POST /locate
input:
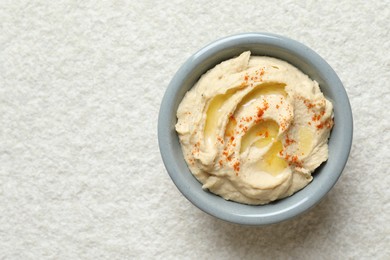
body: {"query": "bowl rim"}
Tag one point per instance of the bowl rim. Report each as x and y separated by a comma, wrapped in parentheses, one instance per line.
(253, 215)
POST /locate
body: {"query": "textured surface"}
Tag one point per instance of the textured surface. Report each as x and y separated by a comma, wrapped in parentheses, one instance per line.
(80, 172)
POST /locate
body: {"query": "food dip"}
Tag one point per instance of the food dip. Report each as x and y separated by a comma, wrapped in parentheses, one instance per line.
(254, 128)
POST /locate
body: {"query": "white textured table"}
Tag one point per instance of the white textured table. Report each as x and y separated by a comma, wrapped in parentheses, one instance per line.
(80, 171)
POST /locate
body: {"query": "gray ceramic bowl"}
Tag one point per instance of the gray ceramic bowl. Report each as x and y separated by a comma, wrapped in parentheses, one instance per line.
(259, 44)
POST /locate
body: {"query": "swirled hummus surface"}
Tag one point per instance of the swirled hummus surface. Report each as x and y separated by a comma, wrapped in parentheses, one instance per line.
(254, 128)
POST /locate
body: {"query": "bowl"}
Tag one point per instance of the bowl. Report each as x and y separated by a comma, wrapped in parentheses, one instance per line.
(310, 63)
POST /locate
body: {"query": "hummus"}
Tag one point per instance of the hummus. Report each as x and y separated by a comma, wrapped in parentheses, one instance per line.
(254, 128)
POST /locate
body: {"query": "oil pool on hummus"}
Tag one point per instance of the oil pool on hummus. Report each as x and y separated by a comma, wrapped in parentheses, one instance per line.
(254, 128)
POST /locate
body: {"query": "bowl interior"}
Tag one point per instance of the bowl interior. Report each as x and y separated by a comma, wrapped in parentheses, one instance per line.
(268, 45)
